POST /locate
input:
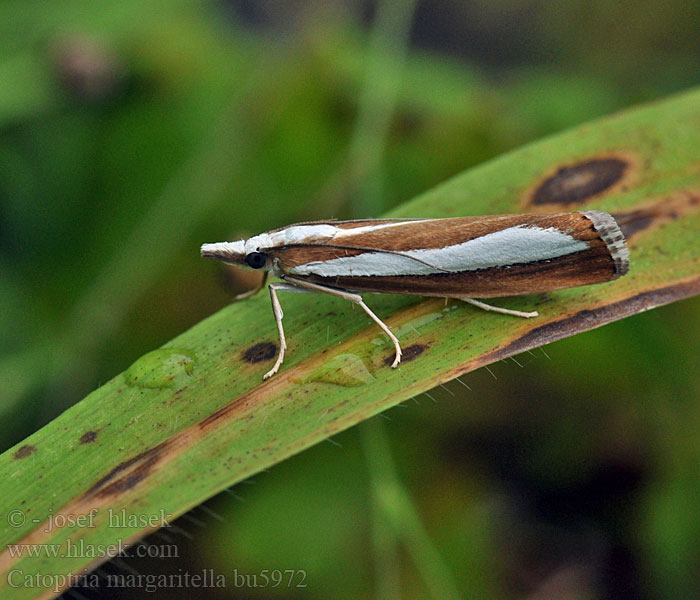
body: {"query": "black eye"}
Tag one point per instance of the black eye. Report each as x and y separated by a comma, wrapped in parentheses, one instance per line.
(256, 260)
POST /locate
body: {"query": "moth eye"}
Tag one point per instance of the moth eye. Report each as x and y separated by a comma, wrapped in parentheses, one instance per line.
(256, 260)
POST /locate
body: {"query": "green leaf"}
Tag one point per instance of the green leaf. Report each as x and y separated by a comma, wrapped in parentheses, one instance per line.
(190, 419)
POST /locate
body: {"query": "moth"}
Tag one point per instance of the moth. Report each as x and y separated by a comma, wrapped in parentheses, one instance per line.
(462, 257)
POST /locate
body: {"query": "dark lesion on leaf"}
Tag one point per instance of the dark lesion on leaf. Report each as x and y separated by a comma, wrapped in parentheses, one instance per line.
(24, 451)
(260, 352)
(407, 354)
(88, 437)
(128, 473)
(658, 211)
(581, 181)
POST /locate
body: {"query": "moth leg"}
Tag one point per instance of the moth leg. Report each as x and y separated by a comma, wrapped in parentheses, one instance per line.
(255, 290)
(498, 309)
(357, 299)
(279, 315)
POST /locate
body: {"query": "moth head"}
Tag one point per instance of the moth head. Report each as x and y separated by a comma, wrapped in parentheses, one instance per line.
(234, 253)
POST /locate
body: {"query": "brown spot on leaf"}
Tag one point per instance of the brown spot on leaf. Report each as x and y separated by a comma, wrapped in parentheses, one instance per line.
(260, 352)
(128, 473)
(24, 451)
(88, 437)
(634, 221)
(407, 354)
(580, 182)
(657, 212)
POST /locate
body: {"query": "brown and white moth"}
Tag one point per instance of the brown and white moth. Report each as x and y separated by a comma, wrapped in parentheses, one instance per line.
(463, 257)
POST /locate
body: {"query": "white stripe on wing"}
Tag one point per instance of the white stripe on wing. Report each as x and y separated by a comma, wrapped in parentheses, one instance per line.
(515, 245)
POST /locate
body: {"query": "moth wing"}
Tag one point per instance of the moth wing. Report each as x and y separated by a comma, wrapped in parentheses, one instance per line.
(468, 256)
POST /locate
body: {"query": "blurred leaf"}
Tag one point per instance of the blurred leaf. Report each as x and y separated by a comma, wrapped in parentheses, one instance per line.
(27, 88)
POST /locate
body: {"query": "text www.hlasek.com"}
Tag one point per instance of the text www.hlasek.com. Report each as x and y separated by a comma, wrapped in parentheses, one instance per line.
(81, 549)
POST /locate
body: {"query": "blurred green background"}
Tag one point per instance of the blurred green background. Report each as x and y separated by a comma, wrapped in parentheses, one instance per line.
(133, 131)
